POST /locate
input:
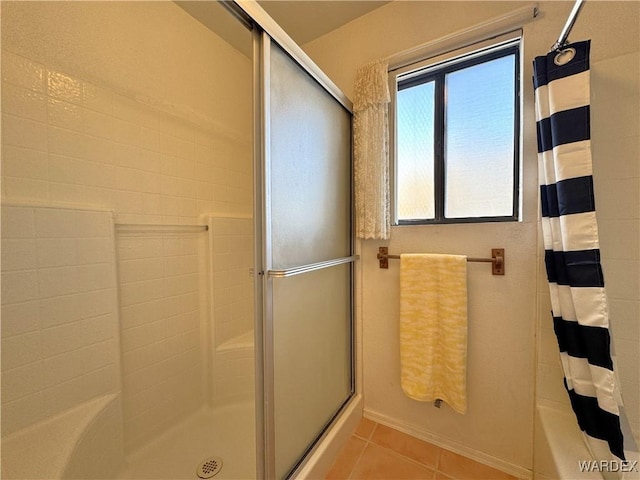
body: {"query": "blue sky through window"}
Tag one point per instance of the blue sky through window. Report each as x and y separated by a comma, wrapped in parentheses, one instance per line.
(415, 151)
(479, 142)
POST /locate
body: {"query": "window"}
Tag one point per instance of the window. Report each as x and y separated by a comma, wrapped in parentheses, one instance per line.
(457, 135)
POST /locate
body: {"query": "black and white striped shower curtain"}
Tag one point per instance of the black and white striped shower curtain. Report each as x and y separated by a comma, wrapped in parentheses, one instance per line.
(572, 255)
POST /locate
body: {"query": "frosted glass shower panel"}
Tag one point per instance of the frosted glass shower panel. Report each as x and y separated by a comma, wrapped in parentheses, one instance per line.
(312, 367)
(310, 168)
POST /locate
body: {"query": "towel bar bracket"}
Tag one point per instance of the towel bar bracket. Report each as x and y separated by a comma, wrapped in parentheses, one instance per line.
(496, 260)
(383, 257)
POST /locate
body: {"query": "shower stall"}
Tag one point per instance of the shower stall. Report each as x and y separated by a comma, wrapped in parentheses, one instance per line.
(177, 250)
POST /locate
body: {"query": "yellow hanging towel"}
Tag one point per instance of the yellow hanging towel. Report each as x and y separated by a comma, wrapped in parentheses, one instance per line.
(433, 328)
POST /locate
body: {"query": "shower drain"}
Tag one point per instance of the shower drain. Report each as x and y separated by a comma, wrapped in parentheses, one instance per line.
(209, 467)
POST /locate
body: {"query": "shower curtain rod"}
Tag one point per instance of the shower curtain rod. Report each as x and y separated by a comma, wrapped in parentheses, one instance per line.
(562, 39)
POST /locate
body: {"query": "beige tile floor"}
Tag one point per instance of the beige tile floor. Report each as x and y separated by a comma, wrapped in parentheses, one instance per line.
(375, 451)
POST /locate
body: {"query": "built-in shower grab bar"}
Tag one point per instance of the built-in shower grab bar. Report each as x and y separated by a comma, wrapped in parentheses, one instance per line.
(159, 228)
(289, 272)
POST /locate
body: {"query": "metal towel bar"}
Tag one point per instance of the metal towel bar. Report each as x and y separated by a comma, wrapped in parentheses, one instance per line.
(496, 260)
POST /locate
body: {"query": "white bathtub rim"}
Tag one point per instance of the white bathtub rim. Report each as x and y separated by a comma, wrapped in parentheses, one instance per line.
(564, 443)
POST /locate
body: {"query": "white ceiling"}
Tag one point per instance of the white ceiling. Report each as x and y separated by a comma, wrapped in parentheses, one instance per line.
(306, 20)
(303, 20)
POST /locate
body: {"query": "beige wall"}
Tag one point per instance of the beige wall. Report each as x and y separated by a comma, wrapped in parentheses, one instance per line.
(137, 108)
(503, 311)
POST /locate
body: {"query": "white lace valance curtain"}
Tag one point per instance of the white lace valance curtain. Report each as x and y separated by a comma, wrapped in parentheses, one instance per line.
(371, 151)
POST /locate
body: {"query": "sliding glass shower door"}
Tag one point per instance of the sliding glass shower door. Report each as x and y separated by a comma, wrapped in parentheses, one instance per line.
(307, 257)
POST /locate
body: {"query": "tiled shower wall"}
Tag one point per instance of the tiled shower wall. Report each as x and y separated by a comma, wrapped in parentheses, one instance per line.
(231, 252)
(161, 330)
(66, 140)
(231, 259)
(60, 332)
(136, 108)
(616, 151)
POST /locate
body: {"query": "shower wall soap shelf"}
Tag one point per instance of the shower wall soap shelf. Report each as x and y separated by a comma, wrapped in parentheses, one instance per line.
(496, 260)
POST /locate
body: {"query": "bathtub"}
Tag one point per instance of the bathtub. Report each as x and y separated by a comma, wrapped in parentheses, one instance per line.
(85, 442)
(559, 446)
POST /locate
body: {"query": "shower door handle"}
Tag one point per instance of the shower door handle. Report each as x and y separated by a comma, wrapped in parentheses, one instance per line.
(311, 267)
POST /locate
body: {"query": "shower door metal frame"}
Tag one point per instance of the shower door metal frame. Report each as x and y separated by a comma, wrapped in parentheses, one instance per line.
(259, 134)
(269, 31)
(252, 10)
(268, 274)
